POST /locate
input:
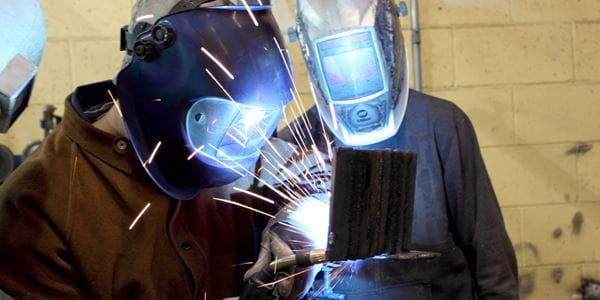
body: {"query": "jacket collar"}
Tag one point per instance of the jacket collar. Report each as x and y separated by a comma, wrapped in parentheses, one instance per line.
(115, 151)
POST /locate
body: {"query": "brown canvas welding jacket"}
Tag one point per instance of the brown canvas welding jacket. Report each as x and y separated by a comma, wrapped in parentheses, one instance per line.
(65, 218)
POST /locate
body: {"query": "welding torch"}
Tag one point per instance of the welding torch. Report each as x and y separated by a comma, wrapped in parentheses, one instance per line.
(260, 285)
(383, 182)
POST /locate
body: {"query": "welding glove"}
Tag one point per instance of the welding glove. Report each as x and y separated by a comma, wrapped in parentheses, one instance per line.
(295, 228)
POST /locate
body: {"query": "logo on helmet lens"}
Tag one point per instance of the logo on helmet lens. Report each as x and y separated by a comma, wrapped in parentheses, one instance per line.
(363, 116)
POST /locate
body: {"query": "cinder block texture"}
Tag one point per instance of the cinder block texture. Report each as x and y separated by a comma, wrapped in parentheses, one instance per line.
(516, 54)
(445, 12)
(551, 282)
(512, 221)
(557, 113)
(587, 51)
(555, 10)
(578, 242)
(532, 175)
(437, 57)
(588, 171)
(591, 271)
(490, 110)
(53, 82)
(95, 61)
(86, 18)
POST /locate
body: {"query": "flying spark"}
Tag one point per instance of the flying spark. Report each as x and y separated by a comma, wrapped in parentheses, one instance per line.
(321, 164)
(289, 71)
(236, 140)
(327, 139)
(115, 103)
(153, 154)
(285, 170)
(284, 186)
(216, 61)
(250, 13)
(255, 195)
(307, 124)
(272, 188)
(284, 279)
(254, 175)
(243, 264)
(195, 152)
(299, 130)
(287, 123)
(240, 133)
(219, 84)
(139, 216)
(220, 162)
(244, 206)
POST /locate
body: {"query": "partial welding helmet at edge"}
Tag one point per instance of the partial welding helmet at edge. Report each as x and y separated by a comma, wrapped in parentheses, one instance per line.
(23, 36)
(205, 89)
(358, 65)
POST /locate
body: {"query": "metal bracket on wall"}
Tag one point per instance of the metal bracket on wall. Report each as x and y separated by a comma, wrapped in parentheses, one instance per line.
(402, 9)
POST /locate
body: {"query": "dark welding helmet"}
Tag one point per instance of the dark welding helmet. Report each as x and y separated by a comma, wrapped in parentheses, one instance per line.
(204, 90)
(358, 66)
(23, 36)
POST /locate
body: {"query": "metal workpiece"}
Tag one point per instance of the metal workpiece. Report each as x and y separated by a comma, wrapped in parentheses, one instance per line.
(372, 203)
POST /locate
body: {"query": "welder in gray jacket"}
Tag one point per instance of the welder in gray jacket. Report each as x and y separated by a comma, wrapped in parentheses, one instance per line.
(358, 66)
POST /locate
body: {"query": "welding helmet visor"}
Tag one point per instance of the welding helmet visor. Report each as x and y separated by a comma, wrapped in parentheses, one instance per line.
(23, 36)
(205, 89)
(357, 61)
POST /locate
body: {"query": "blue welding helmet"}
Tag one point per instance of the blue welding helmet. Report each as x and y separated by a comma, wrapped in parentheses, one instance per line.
(357, 61)
(23, 36)
(205, 89)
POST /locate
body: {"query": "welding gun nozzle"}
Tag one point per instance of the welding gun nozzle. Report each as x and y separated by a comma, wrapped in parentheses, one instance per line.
(311, 258)
(302, 260)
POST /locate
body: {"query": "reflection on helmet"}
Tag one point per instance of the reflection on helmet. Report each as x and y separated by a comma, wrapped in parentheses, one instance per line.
(204, 91)
(227, 130)
(358, 66)
(23, 36)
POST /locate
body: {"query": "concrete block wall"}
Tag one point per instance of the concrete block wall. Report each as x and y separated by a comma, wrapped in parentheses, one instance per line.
(527, 72)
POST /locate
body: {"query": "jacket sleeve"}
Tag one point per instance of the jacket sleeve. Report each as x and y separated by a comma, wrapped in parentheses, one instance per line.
(476, 219)
(34, 257)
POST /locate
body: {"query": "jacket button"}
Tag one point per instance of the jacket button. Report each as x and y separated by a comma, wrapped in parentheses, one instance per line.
(186, 246)
(121, 145)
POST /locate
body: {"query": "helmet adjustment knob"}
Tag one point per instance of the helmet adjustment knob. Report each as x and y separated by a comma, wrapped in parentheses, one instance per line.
(145, 51)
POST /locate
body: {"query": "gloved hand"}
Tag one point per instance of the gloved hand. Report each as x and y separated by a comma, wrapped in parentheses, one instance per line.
(294, 229)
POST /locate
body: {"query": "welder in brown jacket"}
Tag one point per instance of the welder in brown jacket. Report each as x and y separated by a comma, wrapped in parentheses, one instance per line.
(119, 202)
